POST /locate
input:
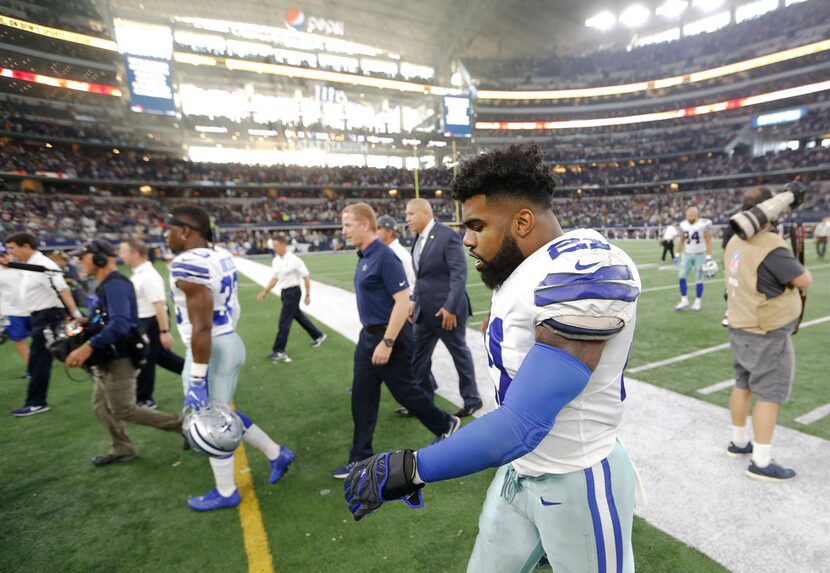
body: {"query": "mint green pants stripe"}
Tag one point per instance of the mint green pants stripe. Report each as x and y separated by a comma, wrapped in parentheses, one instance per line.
(227, 356)
(582, 520)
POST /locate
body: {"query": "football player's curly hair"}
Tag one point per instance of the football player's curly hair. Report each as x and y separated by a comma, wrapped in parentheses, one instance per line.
(517, 171)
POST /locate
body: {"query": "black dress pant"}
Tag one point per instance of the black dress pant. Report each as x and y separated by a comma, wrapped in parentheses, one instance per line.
(40, 359)
(428, 332)
(398, 376)
(156, 355)
(291, 311)
(668, 247)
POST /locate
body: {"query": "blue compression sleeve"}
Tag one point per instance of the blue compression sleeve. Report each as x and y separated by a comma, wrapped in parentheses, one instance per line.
(547, 380)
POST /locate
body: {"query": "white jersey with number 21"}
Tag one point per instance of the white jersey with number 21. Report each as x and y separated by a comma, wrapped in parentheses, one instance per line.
(215, 269)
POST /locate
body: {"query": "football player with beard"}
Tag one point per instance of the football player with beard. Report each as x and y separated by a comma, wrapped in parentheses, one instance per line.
(561, 324)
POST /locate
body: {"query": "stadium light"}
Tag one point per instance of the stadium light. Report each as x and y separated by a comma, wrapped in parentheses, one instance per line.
(634, 16)
(605, 20)
(707, 5)
(672, 9)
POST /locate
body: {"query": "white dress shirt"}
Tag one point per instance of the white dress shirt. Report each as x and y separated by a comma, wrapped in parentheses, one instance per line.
(149, 289)
(422, 242)
(11, 295)
(670, 233)
(289, 270)
(37, 287)
(406, 258)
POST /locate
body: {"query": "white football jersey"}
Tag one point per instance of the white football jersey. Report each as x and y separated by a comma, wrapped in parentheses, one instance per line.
(694, 233)
(585, 285)
(215, 269)
(11, 293)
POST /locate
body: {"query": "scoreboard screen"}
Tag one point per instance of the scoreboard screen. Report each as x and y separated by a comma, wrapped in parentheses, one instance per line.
(151, 84)
(458, 116)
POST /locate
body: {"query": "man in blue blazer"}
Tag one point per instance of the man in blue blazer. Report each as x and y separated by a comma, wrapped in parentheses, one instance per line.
(440, 304)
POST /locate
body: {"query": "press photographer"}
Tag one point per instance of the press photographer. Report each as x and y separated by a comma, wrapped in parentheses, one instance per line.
(764, 306)
(117, 351)
(46, 297)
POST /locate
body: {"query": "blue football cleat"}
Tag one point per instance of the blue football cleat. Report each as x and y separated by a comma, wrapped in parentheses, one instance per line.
(280, 465)
(214, 500)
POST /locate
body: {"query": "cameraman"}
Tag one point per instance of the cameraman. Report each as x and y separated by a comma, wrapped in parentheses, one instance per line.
(763, 309)
(117, 356)
(45, 297)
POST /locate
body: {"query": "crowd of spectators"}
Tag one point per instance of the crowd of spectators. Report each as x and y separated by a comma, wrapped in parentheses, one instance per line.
(72, 163)
(733, 43)
(73, 218)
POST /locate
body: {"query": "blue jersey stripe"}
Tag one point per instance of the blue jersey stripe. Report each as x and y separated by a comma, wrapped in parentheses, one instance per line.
(596, 520)
(612, 273)
(615, 518)
(192, 268)
(606, 291)
(186, 275)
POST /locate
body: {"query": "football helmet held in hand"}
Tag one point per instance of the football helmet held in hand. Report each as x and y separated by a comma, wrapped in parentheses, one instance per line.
(710, 268)
(215, 430)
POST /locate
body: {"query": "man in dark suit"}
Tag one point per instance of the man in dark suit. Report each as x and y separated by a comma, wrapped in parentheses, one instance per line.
(440, 305)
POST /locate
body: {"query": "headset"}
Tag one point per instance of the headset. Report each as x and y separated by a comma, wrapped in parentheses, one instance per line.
(99, 256)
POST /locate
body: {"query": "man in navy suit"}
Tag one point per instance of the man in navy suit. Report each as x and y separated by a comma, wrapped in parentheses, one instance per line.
(440, 305)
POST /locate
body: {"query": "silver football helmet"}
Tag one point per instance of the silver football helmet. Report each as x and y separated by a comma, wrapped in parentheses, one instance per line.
(710, 268)
(215, 430)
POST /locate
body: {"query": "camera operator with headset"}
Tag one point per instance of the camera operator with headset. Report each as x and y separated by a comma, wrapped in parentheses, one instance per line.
(763, 279)
(117, 351)
(45, 296)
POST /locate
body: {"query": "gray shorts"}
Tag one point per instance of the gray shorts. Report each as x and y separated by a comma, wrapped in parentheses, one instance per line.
(764, 364)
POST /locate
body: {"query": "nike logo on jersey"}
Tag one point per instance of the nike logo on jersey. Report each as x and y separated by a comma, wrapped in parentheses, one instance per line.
(581, 267)
(551, 502)
(401, 283)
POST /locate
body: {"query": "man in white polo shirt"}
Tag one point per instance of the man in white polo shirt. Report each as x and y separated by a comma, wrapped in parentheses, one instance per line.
(46, 296)
(152, 312)
(18, 322)
(388, 233)
(289, 270)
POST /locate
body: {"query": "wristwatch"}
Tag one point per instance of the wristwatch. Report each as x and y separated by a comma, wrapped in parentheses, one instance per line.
(390, 342)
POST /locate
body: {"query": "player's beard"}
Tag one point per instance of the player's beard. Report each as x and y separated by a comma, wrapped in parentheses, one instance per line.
(495, 271)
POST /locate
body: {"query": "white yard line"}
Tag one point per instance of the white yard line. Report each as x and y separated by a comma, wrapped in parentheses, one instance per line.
(696, 493)
(709, 350)
(814, 415)
(717, 387)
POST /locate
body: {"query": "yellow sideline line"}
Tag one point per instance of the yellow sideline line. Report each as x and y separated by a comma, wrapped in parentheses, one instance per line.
(257, 549)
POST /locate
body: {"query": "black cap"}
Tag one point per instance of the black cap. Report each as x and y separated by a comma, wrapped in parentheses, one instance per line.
(387, 222)
(97, 246)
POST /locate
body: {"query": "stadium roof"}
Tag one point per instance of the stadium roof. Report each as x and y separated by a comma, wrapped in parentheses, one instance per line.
(430, 31)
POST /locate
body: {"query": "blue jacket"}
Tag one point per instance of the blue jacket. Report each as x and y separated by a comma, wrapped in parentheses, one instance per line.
(118, 304)
(441, 276)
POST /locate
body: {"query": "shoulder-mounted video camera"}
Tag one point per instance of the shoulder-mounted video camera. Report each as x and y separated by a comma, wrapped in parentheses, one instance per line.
(64, 338)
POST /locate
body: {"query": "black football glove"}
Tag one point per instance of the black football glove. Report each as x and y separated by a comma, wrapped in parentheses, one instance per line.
(381, 478)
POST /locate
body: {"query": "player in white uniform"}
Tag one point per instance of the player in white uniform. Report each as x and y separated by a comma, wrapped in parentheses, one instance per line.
(203, 286)
(560, 329)
(15, 321)
(694, 250)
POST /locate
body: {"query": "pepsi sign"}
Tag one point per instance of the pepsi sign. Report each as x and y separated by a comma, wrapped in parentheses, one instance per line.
(297, 20)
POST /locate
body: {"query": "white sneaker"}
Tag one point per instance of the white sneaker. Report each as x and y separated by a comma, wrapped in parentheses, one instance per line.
(696, 304)
(682, 305)
(281, 357)
(318, 342)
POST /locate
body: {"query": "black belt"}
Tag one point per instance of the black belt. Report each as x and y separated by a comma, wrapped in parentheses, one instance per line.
(375, 328)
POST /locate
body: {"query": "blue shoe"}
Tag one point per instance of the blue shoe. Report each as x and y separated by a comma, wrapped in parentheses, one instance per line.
(213, 500)
(734, 451)
(772, 472)
(29, 411)
(343, 471)
(280, 465)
